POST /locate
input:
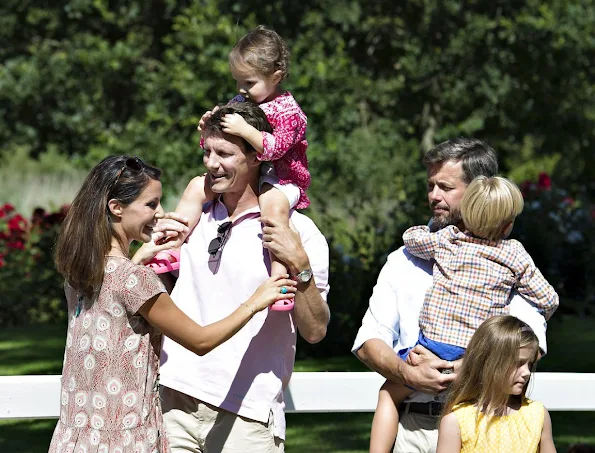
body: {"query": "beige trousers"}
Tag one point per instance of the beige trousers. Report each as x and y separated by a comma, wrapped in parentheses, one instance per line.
(418, 433)
(194, 426)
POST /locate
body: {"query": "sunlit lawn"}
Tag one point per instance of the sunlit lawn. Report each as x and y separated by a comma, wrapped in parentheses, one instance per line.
(38, 350)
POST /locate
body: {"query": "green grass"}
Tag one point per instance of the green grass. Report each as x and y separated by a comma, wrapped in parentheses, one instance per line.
(39, 349)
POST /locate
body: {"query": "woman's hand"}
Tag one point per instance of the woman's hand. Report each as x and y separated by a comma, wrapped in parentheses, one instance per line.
(271, 291)
(149, 249)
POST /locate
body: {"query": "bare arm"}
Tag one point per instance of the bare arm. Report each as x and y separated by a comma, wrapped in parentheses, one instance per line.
(312, 314)
(449, 435)
(196, 194)
(161, 312)
(547, 442)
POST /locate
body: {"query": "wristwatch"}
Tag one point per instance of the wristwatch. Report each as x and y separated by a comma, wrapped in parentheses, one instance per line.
(303, 276)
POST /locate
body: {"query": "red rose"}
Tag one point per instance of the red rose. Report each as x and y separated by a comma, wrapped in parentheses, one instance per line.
(18, 245)
(7, 208)
(17, 223)
(544, 181)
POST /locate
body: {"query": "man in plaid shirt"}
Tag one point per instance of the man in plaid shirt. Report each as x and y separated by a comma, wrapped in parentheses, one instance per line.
(392, 320)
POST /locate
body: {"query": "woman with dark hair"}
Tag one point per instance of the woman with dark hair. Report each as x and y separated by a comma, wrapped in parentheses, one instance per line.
(117, 312)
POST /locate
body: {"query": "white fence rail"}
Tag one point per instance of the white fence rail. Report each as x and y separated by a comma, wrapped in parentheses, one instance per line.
(39, 396)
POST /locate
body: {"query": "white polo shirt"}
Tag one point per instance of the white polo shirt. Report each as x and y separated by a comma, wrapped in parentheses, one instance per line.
(247, 374)
(397, 299)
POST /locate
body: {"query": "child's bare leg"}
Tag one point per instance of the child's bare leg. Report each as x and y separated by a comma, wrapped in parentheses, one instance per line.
(386, 418)
(274, 204)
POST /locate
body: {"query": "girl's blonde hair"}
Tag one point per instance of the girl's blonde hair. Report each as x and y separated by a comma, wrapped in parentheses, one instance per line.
(489, 205)
(261, 51)
(489, 362)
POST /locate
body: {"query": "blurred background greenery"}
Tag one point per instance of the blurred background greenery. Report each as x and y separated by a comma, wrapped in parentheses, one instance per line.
(381, 82)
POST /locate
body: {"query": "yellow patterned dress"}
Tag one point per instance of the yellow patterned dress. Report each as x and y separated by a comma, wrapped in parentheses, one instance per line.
(519, 432)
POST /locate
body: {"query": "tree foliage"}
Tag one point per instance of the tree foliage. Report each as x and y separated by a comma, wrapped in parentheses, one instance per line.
(381, 82)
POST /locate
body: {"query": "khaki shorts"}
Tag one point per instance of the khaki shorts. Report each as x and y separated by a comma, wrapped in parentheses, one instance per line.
(418, 433)
(194, 426)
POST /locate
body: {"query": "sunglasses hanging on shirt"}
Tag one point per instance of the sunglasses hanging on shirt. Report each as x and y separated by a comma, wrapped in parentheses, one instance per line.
(216, 245)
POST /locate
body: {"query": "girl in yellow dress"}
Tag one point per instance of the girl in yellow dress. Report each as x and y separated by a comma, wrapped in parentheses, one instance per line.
(487, 410)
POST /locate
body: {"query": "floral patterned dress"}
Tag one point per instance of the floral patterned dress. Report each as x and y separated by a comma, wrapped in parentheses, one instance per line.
(109, 397)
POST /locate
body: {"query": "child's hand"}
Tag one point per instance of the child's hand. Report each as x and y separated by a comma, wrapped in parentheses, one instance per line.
(171, 228)
(149, 249)
(205, 117)
(234, 124)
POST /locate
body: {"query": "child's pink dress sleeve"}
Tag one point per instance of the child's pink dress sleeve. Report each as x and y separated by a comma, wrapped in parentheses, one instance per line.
(289, 131)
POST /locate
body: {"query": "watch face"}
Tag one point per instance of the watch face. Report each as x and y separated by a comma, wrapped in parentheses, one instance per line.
(305, 276)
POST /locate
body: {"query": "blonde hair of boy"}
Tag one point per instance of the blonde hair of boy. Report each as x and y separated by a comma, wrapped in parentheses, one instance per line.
(490, 205)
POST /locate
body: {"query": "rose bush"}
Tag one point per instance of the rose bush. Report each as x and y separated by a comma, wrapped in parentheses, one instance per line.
(558, 231)
(31, 290)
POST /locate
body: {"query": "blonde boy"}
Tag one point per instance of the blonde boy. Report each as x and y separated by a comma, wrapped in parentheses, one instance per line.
(475, 271)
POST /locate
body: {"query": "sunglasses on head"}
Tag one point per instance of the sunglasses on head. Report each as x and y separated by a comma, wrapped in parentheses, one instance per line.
(217, 243)
(132, 164)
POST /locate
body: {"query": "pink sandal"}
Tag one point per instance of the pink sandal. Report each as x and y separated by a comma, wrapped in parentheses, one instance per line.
(282, 305)
(161, 262)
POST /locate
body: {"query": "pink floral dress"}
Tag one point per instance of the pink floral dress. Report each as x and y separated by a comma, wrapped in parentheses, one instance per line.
(109, 397)
(286, 147)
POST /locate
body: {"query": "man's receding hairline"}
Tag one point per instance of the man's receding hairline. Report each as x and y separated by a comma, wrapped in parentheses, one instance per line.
(439, 165)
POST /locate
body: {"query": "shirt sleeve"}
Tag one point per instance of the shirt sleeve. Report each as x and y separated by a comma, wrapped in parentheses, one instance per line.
(528, 313)
(141, 285)
(421, 242)
(382, 317)
(317, 250)
(532, 285)
(289, 130)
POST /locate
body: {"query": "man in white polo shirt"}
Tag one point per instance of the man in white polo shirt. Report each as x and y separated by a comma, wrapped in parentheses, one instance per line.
(391, 322)
(231, 400)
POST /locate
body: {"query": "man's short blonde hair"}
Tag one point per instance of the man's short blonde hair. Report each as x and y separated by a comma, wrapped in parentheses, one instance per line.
(489, 205)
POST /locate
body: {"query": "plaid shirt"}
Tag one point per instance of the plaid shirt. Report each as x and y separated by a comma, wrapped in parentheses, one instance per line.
(472, 281)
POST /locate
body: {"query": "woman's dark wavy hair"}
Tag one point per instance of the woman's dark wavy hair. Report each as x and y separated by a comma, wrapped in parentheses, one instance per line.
(87, 232)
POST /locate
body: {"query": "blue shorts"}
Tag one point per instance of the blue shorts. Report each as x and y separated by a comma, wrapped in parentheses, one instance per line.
(443, 350)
